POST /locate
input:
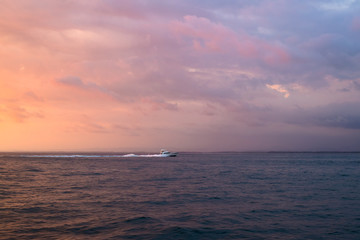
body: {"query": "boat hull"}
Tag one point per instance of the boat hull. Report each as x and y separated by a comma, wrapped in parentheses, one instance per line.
(169, 154)
(166, 153)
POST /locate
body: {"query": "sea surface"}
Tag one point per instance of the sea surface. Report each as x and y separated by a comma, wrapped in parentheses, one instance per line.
(192, 196)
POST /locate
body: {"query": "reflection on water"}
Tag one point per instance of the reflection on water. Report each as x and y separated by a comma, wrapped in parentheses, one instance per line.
(193, 196)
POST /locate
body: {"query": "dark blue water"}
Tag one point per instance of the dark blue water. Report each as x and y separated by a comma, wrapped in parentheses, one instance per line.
(192, 196)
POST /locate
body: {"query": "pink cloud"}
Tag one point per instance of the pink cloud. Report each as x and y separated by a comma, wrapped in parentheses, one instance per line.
(19, 114)
(160, 104)
(31, 96)
(196, 70)
(209, 37)
(355, 25)
(88, 127)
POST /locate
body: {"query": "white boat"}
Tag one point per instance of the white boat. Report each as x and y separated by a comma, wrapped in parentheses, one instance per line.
(165, 153)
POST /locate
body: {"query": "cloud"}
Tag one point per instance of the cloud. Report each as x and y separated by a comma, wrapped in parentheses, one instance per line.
(356, 85)
(339, 115)
(31, 96)
(344, 115)
(184, 66)
(336, 5)
(209, 37)
(159, 104)
(72, 81)
(19, 114)
(279, 88)
(88, 127)
(78, 84)
(355, 25)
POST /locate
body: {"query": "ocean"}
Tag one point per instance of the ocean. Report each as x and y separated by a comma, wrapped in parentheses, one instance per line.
(192, 196)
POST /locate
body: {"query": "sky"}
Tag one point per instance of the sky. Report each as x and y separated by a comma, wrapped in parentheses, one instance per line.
(186, 75)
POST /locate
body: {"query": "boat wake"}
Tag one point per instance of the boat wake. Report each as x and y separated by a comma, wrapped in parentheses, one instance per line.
(92, 156)
(144, 155)
(163, 153)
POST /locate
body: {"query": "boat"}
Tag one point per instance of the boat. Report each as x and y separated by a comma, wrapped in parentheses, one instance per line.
(165, 153)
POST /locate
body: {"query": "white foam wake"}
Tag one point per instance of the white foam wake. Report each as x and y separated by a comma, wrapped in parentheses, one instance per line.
(92, 156)
(146, 155)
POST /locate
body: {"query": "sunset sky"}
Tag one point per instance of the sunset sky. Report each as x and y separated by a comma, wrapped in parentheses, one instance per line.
(186, 75)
